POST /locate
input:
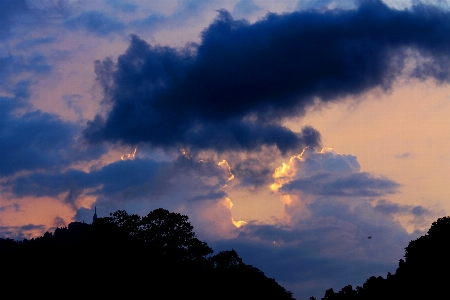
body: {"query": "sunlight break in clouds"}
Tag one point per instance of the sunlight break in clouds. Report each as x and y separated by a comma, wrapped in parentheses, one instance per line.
(318, 175)
(82, 81)
(331, 207)
(310, 161)
(129, 156)
(229, 205)
(225, 164)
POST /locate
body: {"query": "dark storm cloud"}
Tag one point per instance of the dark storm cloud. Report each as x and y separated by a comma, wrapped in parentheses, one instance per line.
(353, 185)
(242, 79)
(37, 140)
(95, 22)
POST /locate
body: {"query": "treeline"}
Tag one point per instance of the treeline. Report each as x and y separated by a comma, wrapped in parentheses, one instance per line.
(157, 256)
(423, 274)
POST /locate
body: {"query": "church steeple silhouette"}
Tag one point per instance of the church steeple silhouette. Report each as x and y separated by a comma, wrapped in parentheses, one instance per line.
(95, 215)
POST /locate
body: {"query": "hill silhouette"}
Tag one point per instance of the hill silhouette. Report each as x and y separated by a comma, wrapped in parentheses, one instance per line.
(421, 275)
(156, 256)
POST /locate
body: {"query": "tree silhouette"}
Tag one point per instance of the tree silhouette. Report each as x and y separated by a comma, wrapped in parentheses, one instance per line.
(226, 260)
(165, 235)
(128, 256)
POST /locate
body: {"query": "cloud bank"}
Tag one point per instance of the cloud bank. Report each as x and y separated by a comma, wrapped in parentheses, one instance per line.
(233, 89)
(36, 140)
(231, 93)
(331, 208)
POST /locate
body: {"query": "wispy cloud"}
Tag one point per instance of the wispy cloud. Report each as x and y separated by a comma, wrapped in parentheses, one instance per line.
(404, 155)
(96, 23)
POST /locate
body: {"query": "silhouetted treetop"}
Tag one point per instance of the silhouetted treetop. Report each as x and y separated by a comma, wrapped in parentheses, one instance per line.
(226, 260)
(166, 233)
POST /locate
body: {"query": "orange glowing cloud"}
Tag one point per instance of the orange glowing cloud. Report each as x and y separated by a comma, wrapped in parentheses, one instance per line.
(129, 156)
(227, 167)
(227, 202)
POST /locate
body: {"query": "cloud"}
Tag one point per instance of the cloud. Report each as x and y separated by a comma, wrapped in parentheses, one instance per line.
(30, 44)
(252, 172)
(232, 91)
(210, 196)
(419, 210)
(388, 207)
(311, 162)
(17, 71)
(404, 155)
(73, 102)
(317, 176)
(182, 14)
(328, 249)
(142, 180)
(95, 22)
(244, 7)
(8, 13)
(327, 173)
(37, 140)
(313, 177)
(331, 211)
(353, 185)
(21, 17)
(21, 232)
(122, 5)
(14, 207)
(325, 4)
(111, 180)
(185, 185)
(59, 222)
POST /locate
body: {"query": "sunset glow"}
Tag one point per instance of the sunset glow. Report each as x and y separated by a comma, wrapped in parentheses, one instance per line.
(288, 130)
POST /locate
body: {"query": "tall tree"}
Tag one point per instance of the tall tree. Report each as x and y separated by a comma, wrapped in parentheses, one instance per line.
(165, 234)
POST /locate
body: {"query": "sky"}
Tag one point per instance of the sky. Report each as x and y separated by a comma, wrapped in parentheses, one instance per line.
(290, 130)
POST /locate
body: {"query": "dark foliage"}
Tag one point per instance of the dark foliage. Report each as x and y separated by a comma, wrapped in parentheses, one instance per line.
(421, 275)
(157, 255)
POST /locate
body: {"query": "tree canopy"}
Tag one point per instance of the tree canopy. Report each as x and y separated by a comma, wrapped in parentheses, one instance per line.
(165, 234)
